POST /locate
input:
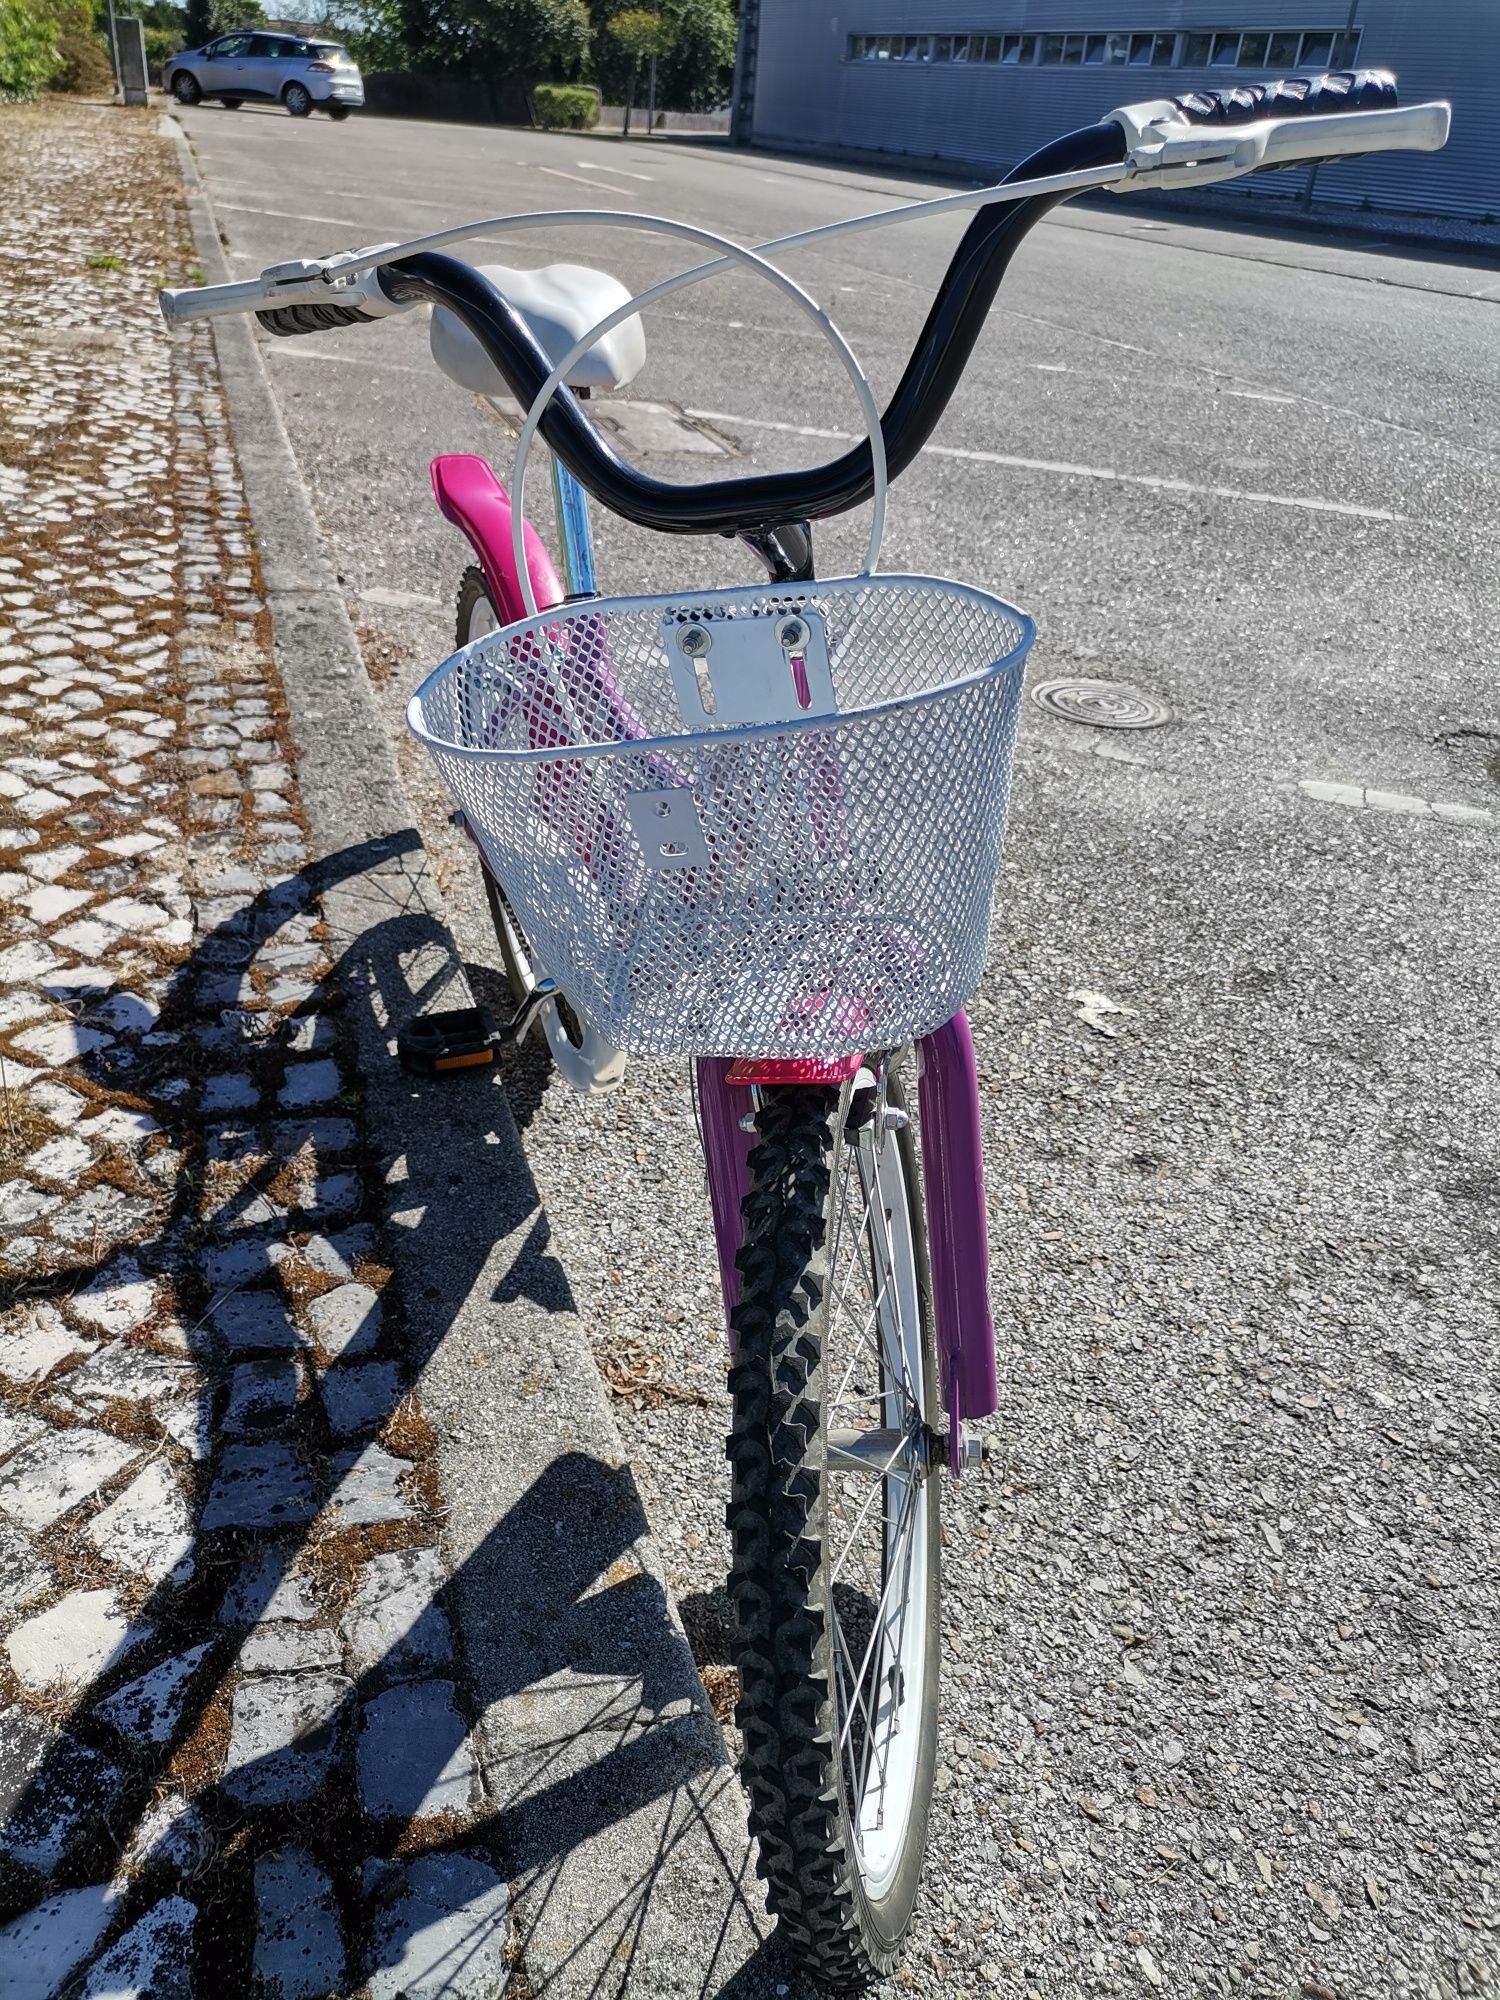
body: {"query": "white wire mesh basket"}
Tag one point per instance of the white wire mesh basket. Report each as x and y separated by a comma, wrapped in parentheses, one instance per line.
(744, 822)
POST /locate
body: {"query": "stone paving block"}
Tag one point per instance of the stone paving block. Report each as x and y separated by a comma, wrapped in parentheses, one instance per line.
(152, 1961)
(234, 1092)
(266, 1589)
(40, 1950)
(392, 1626)
(191, 1422)
(412, 1758)
(286, 1732)
(146, 1711)
(308, 1083)
(259, 1486)
(24, 1577)
(367, 1489)
(314, 1031)
(54, 1790)
(251, 1321)
(119, 1127)
(16, 1429)
(262, 1395)
(121, 1298)
(148, 1528)
(72, 1642)
(59, 1042)
(133, 1374)
(334, 1195)
(289, 1649)
(299, 1946)
(61, 1159)
(338, 1254)
(360, 1395)
(251, 1208)
(231, 1265)
(325, 1135)
(171, 1834)
(54, 1473)
(346, 1320)
(440, 1930)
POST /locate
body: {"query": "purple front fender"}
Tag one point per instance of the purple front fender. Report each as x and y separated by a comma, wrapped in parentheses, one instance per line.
(952, 1182)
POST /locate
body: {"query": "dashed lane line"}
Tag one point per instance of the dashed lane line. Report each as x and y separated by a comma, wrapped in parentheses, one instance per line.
(1062, 469)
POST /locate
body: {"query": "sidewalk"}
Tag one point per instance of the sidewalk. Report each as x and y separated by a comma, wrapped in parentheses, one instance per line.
(232, 1737)
(304, 1692)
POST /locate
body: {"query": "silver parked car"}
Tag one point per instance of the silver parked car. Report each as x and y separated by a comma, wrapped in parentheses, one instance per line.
(287, 69)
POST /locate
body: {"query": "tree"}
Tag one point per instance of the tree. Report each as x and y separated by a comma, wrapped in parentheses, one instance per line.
(203, 19)
(640, 35)
(528, 39)
(694, 74)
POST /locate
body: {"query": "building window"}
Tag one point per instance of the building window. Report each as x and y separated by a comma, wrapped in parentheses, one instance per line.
(1218, 48)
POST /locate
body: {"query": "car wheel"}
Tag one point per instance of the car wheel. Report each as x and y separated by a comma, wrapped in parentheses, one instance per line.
(298, 99)
(185, 87)
(231, 103)
(338, 110)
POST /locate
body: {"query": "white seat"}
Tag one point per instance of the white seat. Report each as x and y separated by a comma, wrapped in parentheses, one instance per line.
(560, 303)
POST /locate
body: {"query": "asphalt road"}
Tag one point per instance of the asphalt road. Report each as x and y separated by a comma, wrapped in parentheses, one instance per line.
(1221, 1689)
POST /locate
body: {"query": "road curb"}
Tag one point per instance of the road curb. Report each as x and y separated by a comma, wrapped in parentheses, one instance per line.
(617, 1814)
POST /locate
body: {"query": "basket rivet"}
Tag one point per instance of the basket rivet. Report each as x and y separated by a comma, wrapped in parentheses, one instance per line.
(694, 641)
(791, 634)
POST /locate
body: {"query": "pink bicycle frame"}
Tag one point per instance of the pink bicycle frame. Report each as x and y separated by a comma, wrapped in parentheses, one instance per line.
(470, 496)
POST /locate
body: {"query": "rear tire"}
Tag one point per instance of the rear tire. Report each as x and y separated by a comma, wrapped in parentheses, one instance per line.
(338, 112)
(186, 89)
(231, 103)
(298, 99)
(838, 1698)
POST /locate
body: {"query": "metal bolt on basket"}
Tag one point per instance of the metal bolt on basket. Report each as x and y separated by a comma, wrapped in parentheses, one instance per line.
(750, 821)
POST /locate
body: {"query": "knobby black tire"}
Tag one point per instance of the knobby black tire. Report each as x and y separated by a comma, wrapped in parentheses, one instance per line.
(780, 1569)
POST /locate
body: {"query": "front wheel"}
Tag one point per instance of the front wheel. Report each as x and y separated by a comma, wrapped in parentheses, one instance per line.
(231, 103)
(834, 1523)
(185, 88)
(298, 99)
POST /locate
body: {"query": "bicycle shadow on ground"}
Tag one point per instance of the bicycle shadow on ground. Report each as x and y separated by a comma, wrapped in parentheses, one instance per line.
(588, 1722)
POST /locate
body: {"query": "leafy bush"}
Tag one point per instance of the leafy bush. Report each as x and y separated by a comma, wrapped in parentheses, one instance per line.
(565, 107)
(161, 45)
(28, 47)
(83, 56)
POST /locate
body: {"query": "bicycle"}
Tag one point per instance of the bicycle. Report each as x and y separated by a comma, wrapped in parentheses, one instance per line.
(756, 827)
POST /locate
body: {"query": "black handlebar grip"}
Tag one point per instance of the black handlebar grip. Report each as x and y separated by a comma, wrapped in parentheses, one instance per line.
(288, 320)
(1291, 97)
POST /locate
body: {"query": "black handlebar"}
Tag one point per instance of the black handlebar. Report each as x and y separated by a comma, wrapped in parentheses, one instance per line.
(767, 501)
(761, 507)
(1291, 97)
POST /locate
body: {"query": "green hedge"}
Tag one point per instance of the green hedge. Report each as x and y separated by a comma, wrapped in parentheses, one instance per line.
(28, 47)
(571, 107)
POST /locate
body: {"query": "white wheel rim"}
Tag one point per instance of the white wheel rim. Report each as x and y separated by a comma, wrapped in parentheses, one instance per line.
(482, 619)
(879, 1652)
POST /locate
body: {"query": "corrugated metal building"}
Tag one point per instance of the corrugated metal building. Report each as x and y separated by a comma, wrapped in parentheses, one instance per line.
(983, 82)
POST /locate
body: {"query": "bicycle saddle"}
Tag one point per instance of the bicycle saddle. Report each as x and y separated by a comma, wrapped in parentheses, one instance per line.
(560, 302)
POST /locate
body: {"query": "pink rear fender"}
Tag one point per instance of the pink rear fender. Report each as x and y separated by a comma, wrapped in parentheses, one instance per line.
(471, 497)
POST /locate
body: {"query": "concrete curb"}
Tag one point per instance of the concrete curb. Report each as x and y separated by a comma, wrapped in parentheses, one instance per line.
(617, 1815)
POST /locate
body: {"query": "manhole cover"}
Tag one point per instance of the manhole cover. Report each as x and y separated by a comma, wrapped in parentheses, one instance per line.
(1102, 704)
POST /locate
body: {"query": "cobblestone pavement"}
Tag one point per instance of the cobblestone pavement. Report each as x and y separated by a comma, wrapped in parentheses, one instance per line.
(233, 1749)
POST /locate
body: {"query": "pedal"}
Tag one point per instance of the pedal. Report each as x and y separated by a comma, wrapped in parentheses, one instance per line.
(459, 1038)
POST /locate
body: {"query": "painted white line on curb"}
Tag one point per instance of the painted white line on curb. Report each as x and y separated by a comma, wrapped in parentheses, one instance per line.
(1064, 470)
(1331, 792)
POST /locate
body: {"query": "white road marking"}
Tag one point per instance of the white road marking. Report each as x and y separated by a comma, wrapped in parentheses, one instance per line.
(600, 168)
(558, 174)
(298, 350)
(285, 214)
(1329, 792)
(1258, 396)
(1063, 470)
(401, 600)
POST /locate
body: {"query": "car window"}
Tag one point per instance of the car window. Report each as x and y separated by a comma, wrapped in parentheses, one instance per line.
(232, 45)
(260, 45)
(329, 52)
